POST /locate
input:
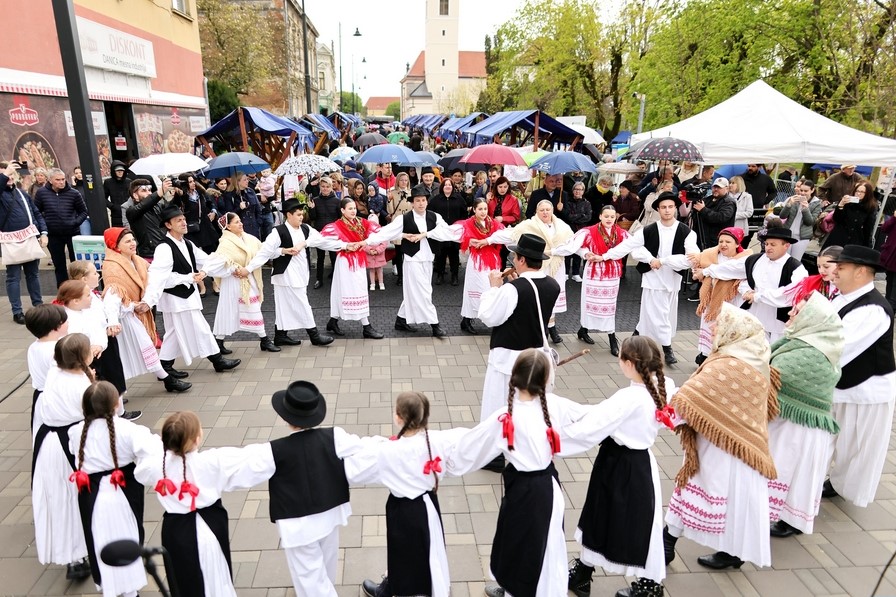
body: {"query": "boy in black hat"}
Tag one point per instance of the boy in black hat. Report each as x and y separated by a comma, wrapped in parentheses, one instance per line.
(177, 266)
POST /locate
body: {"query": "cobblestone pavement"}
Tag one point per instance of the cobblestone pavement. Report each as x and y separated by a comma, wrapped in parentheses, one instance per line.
(845, 556)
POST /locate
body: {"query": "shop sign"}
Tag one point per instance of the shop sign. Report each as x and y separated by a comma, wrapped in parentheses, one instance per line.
(22, 114)
(99, 123)
(175, 119)
(110, 49)
(121, 144)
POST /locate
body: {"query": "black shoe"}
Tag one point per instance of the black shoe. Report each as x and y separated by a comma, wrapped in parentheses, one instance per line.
(454, 281)
(693, 297)
(555, 335)
(438, 332)
(268, 345)
(399, 282)
(636, 333)
(221, 364)
(172, 384)
(642, 587)
(720, 560)
(669, 541)
(333, 326)
(281, 338)
(318, 284)
(782, 529)
(223, 349)
(614, 345)
(494, 591)
(368, 331)
(584, 337)
(828, 491)
(439, 279)
(168, 367)
(131, 415)
(19, 318)
(700, 358)
(317, 339)
(670, 356)
(402, 325)
(466, 325)
(580, 578)
(371, 589)
(77, 570)
(496, 465)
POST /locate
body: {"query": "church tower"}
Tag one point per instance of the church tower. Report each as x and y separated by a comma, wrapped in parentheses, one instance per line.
(441, 57)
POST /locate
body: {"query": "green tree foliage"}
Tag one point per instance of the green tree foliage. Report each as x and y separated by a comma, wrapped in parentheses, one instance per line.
(394, 109)
(222, 100)
(351, 102)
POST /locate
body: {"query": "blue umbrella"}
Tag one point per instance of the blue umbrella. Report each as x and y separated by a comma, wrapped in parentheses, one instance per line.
(233, 162)
(392, 154)
(428, 158)
(561, 162)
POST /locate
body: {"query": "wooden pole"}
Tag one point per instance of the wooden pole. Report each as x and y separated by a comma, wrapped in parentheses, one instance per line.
(243, 129)
(208, 147)
(535, 143)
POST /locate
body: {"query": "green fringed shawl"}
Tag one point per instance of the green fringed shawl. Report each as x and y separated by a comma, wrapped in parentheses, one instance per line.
(807, 384)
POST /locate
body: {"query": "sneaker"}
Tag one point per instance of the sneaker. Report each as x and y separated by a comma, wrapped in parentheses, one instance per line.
(577, 278)
(132, 415)
(382, 286)
(19, 318)
(373, 286)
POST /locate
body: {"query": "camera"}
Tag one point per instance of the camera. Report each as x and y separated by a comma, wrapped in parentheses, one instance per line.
(697, 192)
(22, 166)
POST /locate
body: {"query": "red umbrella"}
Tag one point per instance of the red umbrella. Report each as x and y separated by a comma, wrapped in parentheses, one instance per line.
(494, 153)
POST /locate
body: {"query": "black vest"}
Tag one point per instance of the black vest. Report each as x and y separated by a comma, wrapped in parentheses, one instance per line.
(282, 262)
(878, 358)
(652, 243)
(410, 227)
(181, 266)
(523, 328)
(783, 314)
(310, 477)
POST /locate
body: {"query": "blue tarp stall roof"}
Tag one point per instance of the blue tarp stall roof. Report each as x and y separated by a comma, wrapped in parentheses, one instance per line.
(320, 121)
(863, 170)
(416, 119)
(448, 130)
(622, 137)
(346, 117)
(447, 126)
(262, 120)
(433, 123)
(498, 123)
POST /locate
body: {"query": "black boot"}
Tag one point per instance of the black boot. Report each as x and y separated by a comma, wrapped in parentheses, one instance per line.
(614, 345)
(333, 326)
(221, 364)
(669, 541)
(700, 358)
(438, 332)
(223, 349)
(580, 578)
(454, 280)
(268, 345)
(466, 325)
(439, 279)
(636, 333)
(172, 384)
(584, 337)
(281, 338)
(555, 335)
(642, 587)
(782, 529)
(720, 560)
(828, 491)
(402, 325)
(670, 356)
(168, 367)
(368, 331)
(371, 589)
(318, 339)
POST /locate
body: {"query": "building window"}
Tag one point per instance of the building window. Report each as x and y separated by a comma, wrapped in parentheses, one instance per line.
(443, 33)
(443, 88)
(443, 8)
(180, 6)
(443, 62)
(320, 80)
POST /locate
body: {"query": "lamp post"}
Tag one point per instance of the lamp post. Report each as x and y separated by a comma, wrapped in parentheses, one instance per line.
(363, 61)
(308, 109)
(643, 98)
(357, 33)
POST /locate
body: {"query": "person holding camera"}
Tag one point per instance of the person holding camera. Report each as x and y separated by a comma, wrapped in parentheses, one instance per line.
(196, 204)
(854, 218)
(242, 200)
(711, 215)
(800, 212)
(143, 216)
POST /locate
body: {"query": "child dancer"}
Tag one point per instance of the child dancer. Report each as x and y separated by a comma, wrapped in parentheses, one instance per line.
(376, 258)
(58, 535)
(47, 323)
(110, 499)
(410, 466)
(621, 526)
(189, 484)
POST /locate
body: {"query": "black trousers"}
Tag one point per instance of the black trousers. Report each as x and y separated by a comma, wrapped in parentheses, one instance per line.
(890, 293)
(320, 262)
(450, 252)
(56, 244)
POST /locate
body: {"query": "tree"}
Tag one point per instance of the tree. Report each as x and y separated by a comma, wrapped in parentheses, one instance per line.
(351, 102)
(222, 100)
(394, 110)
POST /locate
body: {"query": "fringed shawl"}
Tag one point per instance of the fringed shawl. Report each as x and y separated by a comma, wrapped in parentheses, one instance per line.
(128, 279)
(714, 293)
(351, 232)
(597, 243)
(562, 233)
(486, 258)
(239, 251)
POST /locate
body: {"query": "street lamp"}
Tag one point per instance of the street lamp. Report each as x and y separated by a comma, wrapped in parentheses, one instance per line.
(357, 33)
(643, 98)
(363, 61)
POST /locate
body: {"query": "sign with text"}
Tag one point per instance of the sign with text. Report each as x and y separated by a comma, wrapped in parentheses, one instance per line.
(99, 123)
(110, 49)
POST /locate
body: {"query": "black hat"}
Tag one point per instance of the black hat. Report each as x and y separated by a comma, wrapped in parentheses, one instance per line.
(860, 255)
(780, 233)
(300, 405)
(627, 184)
(666, 196)
(420, 191)
(291, 205)
(168, 213)
(530, 247)
(426, 170)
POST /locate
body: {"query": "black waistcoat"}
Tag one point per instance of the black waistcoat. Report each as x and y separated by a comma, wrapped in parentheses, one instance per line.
(410, 227)
(878, 358)
(523, 328)
(282, 262)
(783, 314)
(182, 266)
(652, 243)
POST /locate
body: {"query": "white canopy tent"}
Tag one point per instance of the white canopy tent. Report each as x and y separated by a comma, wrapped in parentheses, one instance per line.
(762, 125)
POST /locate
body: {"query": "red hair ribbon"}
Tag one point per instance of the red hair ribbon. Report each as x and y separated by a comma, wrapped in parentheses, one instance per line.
(188, 488)
(393, 438)
(507, 430)
(433, 466)
(117, 478)
(56, 301)
(166, 487)
(554, 440)
(665, 415)
(80, 479)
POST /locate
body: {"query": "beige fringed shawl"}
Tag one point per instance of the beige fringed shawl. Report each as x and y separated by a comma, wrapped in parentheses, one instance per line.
(562, 233)
(128, 279)
(239, 251)
(713, 293)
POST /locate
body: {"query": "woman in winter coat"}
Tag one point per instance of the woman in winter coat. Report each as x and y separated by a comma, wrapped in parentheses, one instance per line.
(196, 204)
(854, 218)
(242, 201)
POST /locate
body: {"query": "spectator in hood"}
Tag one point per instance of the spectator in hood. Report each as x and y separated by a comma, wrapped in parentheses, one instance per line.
(144, 215)
(63, 209)
(116, 190)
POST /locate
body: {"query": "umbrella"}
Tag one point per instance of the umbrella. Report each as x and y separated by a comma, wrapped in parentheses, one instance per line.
(368, 139)
(534, 156)
(390, 154)
(428, 158)
(493, 153)
(394, 137)
(307, 164)
(589, 135)
(449, 161)
(343, 153)
(233, 162)
(165, 164)
(561, 162)
(665, 148)
(619, 168)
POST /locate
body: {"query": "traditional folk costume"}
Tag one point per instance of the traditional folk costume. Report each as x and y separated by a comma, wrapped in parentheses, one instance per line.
(40, 359)
(801, 438)
(239, 304)
(721, 497)
(92, 323)
(110, 499)
(864, 396)
(58, 534)
(195, 524)
(290, 276)
(528, 556)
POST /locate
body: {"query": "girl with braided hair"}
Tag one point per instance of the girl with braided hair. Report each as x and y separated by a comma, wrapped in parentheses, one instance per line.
(621, 526)
(189, 484)
(58, 534)
(109, 497)
(417, 562)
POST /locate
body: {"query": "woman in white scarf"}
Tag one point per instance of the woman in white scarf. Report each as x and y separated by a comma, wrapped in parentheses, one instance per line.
(555, 232)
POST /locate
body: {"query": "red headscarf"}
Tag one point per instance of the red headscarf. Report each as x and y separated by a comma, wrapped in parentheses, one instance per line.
(112, 236)
(737, 234)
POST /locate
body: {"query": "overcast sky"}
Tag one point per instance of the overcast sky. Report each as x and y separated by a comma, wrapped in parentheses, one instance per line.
(392, 34)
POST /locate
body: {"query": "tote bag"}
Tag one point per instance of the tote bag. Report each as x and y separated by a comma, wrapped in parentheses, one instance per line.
(23, 245)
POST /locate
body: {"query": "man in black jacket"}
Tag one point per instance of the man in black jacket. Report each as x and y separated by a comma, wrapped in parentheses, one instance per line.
(63, 209)
(324, 210)
(713, 214)
(760, 186)
(116, 190)
(143, 216)
(552, 191)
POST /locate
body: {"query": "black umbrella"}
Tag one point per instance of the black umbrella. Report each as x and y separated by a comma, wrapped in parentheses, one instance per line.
(665, 148)
(370, 139)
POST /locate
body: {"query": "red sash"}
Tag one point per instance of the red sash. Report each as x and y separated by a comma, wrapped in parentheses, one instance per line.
(344, 232)
(488, 257)
(597, 244)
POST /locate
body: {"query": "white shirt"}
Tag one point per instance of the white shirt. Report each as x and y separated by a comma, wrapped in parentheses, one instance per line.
(40, 361)
(665, 278)
(496, 306)
(395, 229)
(296, 274)
(766, 275)
(162, 276)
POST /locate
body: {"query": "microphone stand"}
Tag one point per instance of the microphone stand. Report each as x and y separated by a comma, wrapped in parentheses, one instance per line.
(153, 571)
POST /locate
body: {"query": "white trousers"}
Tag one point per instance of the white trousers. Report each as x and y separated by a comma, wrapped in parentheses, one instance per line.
(860, 449)
(659, 315)
(313, 566)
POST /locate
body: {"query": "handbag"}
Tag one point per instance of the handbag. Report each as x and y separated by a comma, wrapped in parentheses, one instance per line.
(637, 224)
(23, 245)
(553, 355)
